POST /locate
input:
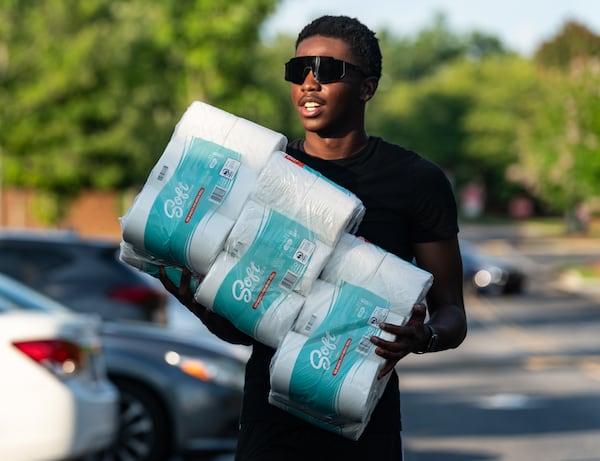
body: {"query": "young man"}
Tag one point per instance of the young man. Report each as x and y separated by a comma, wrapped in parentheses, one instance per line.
(411, 212)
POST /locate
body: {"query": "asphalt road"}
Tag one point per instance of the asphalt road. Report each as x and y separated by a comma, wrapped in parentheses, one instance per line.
(525, 385)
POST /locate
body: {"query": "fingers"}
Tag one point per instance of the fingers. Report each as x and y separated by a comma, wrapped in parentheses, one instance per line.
(418, 314)
(170, 286)
(408, 338)
(182, 292)
(390, 365)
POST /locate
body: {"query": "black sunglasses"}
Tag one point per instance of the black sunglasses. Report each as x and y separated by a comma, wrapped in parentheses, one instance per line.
(325, 69)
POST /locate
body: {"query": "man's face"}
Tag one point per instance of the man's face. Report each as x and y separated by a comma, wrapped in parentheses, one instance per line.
(329, 109)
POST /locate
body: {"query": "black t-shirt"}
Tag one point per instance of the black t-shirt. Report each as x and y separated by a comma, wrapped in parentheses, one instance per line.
(408, 200)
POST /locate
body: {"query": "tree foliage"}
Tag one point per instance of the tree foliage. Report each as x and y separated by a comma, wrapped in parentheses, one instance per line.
(559, 143)
(559, 146)
(573, 41)
(90, 91)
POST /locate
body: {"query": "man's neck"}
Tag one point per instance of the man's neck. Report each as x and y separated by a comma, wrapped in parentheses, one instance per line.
(335, 148)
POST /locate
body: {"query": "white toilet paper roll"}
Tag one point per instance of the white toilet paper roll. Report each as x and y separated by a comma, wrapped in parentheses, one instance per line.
(356, 396)
(207, 242)
(225, 290)
(362, 263)
(134, 222)
(243, 187)
(254, 142)
(317, 306)
(305, 196)
(283, 184)
(204, 121)
(330, 210)
(284, 361)
(278, 318)
(354, 260)
(403, 283)
(316, 381)
(247, 234)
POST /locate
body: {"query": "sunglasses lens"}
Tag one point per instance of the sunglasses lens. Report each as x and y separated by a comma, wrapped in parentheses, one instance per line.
(325, 69)
(296, 70)
(330, 70)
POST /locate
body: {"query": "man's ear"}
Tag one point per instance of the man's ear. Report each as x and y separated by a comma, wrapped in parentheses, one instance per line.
(368, 88)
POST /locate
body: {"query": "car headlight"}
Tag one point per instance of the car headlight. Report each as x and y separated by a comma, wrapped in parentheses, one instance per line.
(220, 371)
(482, 278)
(489, 276)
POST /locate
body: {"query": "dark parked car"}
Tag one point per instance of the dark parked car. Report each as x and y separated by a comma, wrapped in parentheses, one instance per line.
(180, 393)
(488, 274)
(84, 274)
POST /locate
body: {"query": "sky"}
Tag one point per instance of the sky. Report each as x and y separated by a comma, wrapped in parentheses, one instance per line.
(521, 24)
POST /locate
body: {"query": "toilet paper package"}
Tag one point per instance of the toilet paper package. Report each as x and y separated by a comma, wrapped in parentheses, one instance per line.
(196, 190)
(253, 142)
(177, 215)
(260, 227)
(348, 429)
(360, 262)
(249, 294)
(257, 282)
(151, 266)
(309, 198)
(325, 370)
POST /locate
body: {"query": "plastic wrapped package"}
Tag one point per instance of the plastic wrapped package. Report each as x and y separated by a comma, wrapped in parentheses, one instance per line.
(325, 370)
(357, 261)
(309, 198)
(151, 266)
(260, 228)
(270, 261)
(251, 296)
(196, 190)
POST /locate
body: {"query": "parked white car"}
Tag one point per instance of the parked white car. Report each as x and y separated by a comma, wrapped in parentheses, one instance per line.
(55, 398)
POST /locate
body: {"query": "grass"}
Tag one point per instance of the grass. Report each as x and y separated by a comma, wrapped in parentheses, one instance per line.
(589, 271)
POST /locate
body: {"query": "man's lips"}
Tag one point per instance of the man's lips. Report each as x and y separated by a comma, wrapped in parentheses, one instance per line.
(310, 106)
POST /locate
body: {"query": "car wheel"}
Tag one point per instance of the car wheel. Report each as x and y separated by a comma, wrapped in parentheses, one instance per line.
(143, 430)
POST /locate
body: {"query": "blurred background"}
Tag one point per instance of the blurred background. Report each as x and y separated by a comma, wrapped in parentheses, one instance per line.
(503, 95)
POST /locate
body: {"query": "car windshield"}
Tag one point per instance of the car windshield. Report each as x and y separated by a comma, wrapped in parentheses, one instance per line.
(16, 296)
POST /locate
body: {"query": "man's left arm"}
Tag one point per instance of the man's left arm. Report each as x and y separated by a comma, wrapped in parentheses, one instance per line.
(445, 305)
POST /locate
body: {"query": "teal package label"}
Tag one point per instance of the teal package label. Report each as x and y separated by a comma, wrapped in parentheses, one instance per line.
(272, 266)
(341, 341)
(200, 183)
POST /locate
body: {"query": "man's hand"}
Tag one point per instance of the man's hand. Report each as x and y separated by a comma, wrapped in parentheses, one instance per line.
(410, 337)
(183, 292)
(218, 325)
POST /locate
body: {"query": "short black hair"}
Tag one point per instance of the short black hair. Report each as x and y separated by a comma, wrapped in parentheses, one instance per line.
(362, 41)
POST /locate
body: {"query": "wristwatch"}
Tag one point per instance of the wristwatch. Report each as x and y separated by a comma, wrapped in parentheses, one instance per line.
(433, 340)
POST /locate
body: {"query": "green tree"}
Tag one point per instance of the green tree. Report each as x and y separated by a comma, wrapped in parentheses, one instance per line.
(465, 117)
(573, 41)
(90, 91)
(500, 90)
(559, 146)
